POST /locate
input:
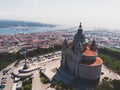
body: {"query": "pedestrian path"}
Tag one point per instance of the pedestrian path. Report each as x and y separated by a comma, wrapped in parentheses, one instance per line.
(37, 84)
(36, 81)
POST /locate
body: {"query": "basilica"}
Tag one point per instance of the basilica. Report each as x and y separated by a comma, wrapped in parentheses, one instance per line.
(79, 60)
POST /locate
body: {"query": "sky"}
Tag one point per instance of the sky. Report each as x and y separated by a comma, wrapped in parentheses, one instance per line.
(92, 13)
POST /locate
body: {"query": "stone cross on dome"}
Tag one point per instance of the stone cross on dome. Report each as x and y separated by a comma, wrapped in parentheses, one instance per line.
(80, 27)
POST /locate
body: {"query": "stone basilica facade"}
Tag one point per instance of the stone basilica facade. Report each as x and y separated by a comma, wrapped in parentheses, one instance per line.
(79, 60)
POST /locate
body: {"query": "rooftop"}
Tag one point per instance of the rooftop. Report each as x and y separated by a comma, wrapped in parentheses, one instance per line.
(89, 52)
(98, 61)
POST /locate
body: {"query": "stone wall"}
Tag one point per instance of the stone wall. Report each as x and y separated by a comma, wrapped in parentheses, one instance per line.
(89, 72)
(89, 57)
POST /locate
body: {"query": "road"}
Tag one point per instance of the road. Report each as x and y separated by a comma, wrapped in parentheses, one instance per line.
(109, 73)
(36, 81)
(9, 82)
(37, 84)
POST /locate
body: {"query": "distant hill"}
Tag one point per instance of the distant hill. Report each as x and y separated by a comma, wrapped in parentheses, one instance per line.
(9, 23)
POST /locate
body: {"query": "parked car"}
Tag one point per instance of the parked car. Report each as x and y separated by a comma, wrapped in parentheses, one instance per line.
(5, 71)
(2, 86)
(3, 83)
(4, 79)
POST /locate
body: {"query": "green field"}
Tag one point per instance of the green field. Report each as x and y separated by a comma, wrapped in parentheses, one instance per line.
(111, 58)
(114, 49)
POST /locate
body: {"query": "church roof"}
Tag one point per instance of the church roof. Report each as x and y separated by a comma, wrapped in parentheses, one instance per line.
(89, 52)
(69, 44)
(98, 61)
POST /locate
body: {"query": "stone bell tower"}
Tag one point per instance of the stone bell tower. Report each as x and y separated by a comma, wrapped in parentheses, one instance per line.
(79, 40)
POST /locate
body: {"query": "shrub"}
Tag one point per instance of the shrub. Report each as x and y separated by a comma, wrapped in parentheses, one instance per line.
(44, 79)
(27, 84)
(108, 84)
(60, 86)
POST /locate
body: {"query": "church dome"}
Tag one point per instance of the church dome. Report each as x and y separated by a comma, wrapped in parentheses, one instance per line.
(89, 54)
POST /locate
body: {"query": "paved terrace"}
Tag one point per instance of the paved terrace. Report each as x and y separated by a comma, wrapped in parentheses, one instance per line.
(109, 73)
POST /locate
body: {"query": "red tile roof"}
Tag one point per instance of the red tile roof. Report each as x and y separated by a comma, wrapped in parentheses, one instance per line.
(89, 52)
(98, 61)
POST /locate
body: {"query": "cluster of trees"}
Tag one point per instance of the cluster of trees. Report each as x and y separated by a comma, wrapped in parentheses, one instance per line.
(27, 84)
(8, 58)
(110, 58)
(110, 52)
(40, 51)
(108, 84)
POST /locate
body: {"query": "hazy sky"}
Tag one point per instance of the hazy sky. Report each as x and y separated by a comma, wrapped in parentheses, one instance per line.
(92, 13)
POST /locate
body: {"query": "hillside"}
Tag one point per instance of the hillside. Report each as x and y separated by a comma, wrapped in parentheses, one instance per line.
(10, 23)
(110, 58)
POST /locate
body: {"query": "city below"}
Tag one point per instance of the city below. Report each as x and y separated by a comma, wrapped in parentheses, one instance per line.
(31, 41)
